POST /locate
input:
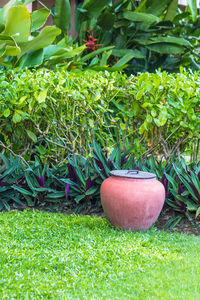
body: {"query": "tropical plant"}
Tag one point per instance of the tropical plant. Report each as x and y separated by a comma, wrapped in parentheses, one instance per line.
(146, 35)
(26, 43)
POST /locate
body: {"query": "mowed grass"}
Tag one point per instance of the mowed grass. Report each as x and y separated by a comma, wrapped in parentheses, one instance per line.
(55, 256)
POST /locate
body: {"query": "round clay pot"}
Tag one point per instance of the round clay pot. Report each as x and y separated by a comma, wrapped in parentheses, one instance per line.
(134, 201)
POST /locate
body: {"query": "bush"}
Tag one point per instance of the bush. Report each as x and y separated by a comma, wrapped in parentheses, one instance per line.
(52, 113)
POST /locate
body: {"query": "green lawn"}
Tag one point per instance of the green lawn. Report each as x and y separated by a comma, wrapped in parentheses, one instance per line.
(54, 256)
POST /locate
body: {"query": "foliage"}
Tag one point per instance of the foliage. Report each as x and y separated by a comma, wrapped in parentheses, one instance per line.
(24, 185)
(50, 114)
(24, 43)
(140, 35)
(79, 257)
(17, 46)
(146, 36)
(78, 182)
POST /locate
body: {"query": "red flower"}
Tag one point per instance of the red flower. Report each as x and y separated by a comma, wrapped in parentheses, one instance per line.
(91, 43)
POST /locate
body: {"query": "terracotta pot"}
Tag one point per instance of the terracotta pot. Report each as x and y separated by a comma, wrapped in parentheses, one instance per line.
(132, 199)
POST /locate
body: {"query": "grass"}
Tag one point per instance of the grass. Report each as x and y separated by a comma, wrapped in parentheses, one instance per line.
(54, 256)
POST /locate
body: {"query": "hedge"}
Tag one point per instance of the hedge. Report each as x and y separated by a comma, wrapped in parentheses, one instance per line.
(52, 113)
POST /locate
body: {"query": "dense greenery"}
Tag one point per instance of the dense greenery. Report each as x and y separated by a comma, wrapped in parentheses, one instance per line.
(51, 114)
(24, 44)
(77, 184)
(141, 36)
(45, 256)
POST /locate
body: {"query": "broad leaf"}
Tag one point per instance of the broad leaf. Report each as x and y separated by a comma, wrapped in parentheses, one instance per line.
(38, 18)
(62, 14)
(124, 60)
(18, 22)
(140, 17)
(44, 39)
(34, 58)
(193, 8)
(94, 7)
(171, 11)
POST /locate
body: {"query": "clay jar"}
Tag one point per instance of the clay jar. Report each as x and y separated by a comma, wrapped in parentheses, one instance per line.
(132, 199)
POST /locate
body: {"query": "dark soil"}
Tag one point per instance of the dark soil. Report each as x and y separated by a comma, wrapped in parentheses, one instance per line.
(167, 215)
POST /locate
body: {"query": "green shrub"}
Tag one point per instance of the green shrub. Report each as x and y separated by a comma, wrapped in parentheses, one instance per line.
(53, 113)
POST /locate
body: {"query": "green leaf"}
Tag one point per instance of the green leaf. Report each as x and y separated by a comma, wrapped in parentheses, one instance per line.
(106, 20)
(56, 195)
(171, 10)
(38, 18)
(166, 48)
(44, 39)
(5, 8)
(9, 51)
(6, 112)
(140, 17)
(2, 27)
(79, 198)
(105, 57)
(124, 60)
(41, 97)
(92, 190)
(32, 135)
(123, 52)
(30, 59)
(20, 27)
(94, 7)
(21, 190)
(16, 118)
(91, 55)
(5, 203)
(193, 8)
(156, 7)
(62, 14)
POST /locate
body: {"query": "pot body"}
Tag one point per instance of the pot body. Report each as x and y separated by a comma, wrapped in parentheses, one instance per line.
(133, 204)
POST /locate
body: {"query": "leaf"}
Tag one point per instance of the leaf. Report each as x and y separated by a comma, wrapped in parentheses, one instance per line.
(21, 190)
(20, 28)
(91, 55)
(41, 97)
(56, 195)
(171, 223)
(104, 58)
(140, 17)
(16, 118)
(193, 8)
(166, 48)
(124, 60)
(5, 8)
(94, 7)
(62, 14)
(31, 59)
(123, 52)
(92, 190)
(156, 7)
(44, 39)
(32, 135)
(38, 18)
(9, 51)
(106, 20)
(171, 10)
(79, 198)
(5, 203)
(6, 112)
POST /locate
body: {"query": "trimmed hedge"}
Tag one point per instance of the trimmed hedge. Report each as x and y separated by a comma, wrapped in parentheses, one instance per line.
(53, 113)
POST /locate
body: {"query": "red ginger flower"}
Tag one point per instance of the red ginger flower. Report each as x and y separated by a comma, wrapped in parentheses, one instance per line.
(91, 43)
